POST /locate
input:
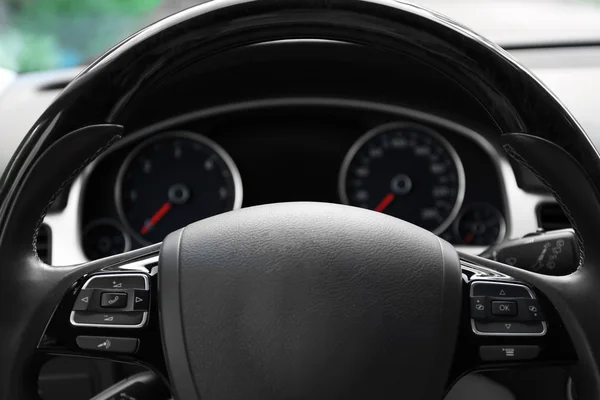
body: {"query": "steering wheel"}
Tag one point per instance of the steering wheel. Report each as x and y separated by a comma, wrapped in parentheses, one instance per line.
(298, 300)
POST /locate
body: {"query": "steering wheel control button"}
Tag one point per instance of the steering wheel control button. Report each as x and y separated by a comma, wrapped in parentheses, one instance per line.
(508, 353)
(531, 310)
(118, 281)
(108, 344)
(504, 308)
(109, 320)
(500, 290)
(478, 307)
(141, 300)
(508, 328)
(113, 300)
(84, 300)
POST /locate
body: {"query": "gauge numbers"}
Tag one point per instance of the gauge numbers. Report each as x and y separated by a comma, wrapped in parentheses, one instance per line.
(172, 180)
(408, 171)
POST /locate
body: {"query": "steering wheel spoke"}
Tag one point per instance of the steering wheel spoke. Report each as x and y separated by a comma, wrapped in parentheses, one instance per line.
(506, 323)
(110, 311)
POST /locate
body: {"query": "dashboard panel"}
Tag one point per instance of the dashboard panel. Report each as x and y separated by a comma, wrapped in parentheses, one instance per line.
(287, 113)
(291, 150)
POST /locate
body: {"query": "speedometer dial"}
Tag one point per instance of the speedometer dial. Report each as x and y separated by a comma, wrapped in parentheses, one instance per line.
(408, 171)
(172, 180)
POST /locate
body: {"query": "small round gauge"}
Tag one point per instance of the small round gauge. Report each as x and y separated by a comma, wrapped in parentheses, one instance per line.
(405, 170)
(103, 238)
(172, 180)
(480, 224)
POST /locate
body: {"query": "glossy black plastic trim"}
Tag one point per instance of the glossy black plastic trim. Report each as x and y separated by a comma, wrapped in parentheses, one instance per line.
(514, 98)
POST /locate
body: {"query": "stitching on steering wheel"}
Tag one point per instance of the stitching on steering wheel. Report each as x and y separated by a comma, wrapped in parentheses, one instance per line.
(514, 154)
(66, 182)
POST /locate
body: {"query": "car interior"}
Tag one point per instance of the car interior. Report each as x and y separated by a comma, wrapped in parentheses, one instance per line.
(303, 199)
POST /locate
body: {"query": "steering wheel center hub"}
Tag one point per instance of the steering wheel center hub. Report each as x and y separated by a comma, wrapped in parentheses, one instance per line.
(310, 300)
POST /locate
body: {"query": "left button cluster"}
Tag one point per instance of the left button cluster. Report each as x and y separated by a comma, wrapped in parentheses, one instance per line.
(113, 301)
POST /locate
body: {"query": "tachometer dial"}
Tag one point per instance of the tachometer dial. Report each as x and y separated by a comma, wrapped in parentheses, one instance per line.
(480, 224)
(173, 180)
(405, 170)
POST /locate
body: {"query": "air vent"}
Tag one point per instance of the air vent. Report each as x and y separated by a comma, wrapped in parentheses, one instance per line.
(51, 87)
(43, 244)
(552, 217)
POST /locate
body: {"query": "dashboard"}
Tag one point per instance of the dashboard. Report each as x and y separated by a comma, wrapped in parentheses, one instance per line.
(340, 132)
(424, 169)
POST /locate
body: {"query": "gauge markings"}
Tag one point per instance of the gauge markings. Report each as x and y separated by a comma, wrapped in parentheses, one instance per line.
(177, 151)
(173, 180)
(405, 170)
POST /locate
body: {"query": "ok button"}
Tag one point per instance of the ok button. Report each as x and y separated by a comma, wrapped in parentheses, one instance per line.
(504, 308)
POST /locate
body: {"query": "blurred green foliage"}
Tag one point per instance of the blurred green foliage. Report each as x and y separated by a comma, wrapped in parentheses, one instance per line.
(47, 34)
(43, 8)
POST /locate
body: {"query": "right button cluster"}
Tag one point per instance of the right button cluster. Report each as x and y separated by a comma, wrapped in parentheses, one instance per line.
(505, 309)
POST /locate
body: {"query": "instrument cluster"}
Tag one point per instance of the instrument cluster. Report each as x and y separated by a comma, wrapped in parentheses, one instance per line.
(161, 180)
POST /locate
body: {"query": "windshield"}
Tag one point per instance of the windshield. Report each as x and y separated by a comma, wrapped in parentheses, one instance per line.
(48, 34)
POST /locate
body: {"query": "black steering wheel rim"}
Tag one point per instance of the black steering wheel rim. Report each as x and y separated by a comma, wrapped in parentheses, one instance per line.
(107, 90)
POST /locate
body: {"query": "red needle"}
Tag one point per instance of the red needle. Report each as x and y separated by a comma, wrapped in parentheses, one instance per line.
(470, 237)
(387, 200)
(156, 217)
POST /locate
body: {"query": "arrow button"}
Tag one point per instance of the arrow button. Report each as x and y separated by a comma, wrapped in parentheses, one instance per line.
(141, 300)
(513, 328)
(127, 281)
(83, 300)
(132, 319)
(497, 289)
